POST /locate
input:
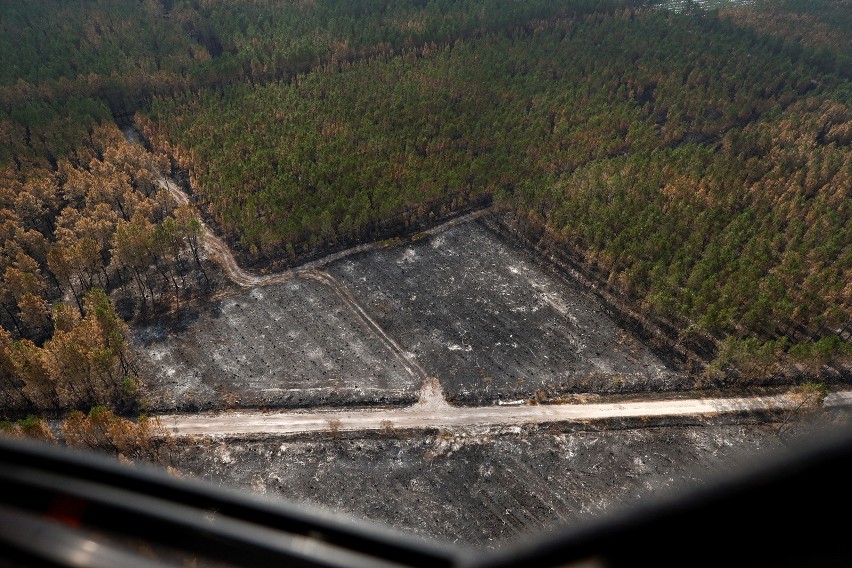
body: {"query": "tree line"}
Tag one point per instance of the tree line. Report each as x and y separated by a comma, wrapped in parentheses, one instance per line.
(83, 215)
(142, 440)
(95, 232)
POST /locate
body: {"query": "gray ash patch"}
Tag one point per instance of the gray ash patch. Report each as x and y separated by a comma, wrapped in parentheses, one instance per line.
(293, 344)
(481, 488)
(486, 319)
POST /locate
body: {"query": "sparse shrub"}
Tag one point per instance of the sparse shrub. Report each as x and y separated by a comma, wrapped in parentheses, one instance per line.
(131, 385)
(334, 427)
(228, 397)
(446, 436)
(387, 428)
(812, 394)
(35, 427)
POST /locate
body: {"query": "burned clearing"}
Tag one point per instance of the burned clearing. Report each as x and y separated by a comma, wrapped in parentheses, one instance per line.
(482, 487)
(291, 344)
(487, 318)
(493, 323)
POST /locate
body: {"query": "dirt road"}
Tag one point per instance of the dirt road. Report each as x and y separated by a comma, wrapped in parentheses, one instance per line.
(219, 251)
(433, 412)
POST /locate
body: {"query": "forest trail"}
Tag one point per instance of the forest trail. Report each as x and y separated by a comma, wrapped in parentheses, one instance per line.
(221, 252)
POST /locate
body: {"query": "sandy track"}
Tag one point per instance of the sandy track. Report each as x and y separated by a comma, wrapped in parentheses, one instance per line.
(220, 251)
(430, 413)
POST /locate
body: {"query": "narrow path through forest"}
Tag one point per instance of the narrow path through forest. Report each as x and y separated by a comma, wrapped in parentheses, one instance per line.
(219, 250)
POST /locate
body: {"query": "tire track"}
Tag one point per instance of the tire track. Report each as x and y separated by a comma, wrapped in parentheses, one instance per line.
(408, 361)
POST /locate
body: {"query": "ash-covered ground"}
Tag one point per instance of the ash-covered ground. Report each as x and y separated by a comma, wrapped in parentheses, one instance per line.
(292, 344)
(480, 314)
(486, 318)
(486, 488)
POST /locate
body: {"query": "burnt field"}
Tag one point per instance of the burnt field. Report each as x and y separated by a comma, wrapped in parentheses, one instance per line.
(492, 321)
(291, 344)
(482, 488)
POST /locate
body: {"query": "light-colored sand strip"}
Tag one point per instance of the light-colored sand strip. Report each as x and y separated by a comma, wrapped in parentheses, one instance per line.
(838, 399)
(435, 415)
